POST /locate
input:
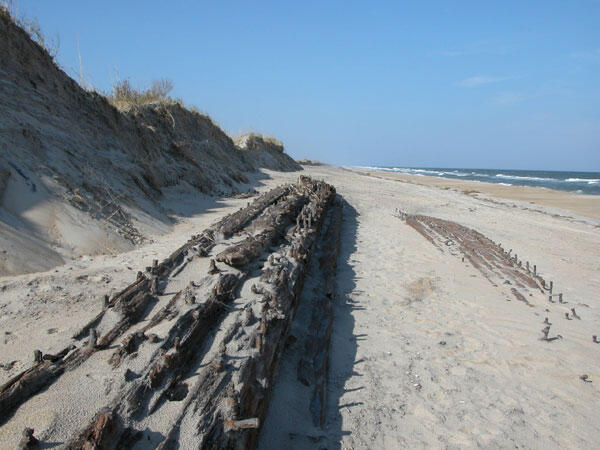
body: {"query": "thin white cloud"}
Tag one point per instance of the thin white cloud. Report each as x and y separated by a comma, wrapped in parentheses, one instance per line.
(481, 80)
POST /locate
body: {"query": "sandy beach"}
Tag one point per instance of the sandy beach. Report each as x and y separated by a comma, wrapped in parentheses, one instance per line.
(426, 351)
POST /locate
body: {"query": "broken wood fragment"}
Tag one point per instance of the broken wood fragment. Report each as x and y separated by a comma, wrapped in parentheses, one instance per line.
(236, 425)
(28, 440)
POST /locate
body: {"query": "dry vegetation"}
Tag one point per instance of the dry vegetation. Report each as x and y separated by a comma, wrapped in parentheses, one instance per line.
(31, 27)
(125, 96)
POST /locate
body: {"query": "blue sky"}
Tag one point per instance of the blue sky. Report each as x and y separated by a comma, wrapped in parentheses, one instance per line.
(509, 84)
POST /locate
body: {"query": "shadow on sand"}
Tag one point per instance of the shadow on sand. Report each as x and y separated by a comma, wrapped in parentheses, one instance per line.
(342, 352)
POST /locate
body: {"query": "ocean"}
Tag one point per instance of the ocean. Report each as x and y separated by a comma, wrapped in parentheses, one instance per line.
(578, 182)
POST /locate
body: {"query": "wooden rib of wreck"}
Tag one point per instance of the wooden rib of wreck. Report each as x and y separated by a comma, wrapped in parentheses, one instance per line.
(234, 391)
(132, 302)
(485, 255)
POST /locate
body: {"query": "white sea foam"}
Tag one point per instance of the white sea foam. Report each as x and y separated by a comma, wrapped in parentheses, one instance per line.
(583, 180)
(516, 177)
(498, 177)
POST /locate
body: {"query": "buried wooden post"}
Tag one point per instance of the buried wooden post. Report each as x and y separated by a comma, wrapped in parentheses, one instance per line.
(37, 356)
(154, 286)
(545, 332)
(93, 338)
(560, 300)
(28, 440)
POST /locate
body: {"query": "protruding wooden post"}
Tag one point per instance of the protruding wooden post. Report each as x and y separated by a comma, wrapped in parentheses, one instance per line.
(28, 440)
(93, 338)
(527, 265)
(534, 269)
(37, 356)
(551, 286)
(560, 299)
(545, 331)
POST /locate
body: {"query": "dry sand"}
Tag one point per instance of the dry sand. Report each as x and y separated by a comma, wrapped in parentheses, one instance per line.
(425, 351)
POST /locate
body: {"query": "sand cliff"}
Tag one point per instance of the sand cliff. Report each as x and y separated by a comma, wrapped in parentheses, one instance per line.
(77, 176)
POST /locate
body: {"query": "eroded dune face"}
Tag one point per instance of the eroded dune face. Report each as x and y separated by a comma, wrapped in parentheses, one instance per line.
(78, 176)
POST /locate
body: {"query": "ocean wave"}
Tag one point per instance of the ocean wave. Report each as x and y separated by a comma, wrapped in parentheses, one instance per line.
(507, 178)
(516, 177)
(583, 180)
(456, 173)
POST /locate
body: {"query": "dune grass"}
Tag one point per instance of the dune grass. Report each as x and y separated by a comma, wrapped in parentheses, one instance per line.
(31, 26)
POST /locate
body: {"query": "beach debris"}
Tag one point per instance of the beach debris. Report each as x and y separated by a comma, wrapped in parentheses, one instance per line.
(236, 425)
(231, 386)
(585, 378)
(546, 321)
(486, 256)
(28, 440)
(567, 316)
(545, 332)
(153, 338)
(130, 375)
(520, 296)
(560, 298)
(93, 338)
(38, 357)
(574, 314)
(595, 339)
(154, 290)
(212, 268)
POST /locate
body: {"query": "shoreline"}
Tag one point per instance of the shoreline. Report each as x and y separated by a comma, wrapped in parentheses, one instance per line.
(581, 204)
